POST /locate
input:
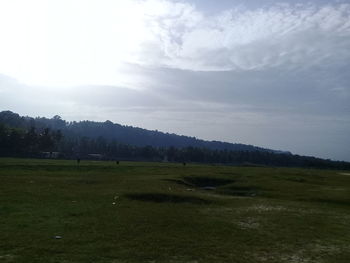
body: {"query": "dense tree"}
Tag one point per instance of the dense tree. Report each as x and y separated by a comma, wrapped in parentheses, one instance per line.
(123, 134)
(21, 142)
(25, 136)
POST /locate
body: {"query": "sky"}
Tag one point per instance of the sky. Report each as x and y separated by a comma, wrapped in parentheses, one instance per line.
(274, 74)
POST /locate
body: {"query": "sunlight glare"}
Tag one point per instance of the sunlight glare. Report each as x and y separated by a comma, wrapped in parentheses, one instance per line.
(55, 43)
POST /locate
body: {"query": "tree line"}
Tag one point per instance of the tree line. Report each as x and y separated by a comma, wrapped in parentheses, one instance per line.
(121, 133)
(20, 142)
(32, 138)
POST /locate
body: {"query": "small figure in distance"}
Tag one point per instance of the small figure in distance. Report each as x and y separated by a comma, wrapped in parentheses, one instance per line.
(184, 164)
(78, 160)
(117, 162)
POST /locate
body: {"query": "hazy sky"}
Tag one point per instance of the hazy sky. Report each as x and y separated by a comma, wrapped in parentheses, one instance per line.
(269, 73)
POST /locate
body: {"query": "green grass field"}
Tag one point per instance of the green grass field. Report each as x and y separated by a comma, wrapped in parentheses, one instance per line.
(153, 212)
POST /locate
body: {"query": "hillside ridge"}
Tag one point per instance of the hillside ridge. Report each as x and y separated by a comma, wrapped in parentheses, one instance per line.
(123, 133)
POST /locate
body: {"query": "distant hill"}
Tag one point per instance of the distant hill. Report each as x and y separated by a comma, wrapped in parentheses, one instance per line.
(23, 136)
(121, 133)
(56, 138)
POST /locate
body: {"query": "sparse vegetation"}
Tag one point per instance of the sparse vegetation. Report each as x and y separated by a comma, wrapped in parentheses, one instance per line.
(58, 211)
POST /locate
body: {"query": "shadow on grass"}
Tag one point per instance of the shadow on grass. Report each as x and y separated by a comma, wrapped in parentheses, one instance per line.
(219, 185)
(166, 198)
(202, 181)
(179, 181)
(239, 191)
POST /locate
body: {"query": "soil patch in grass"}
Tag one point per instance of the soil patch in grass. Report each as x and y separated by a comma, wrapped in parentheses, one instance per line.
(219, 185)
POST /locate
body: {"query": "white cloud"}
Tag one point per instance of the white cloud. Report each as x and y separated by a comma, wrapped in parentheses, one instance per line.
(87, 42)
(282, 35)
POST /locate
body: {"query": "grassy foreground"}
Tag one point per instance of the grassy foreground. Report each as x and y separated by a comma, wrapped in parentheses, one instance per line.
(56, 211)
